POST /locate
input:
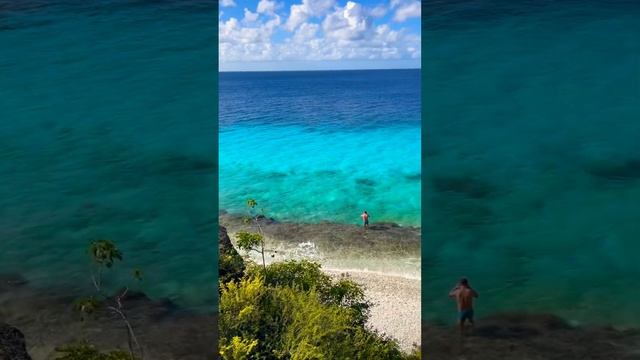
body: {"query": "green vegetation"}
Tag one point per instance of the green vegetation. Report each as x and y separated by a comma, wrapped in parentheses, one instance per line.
(104, 254)
(253, 241)
(299, 313)
(292, 310)
(230, 267)
(85, 351)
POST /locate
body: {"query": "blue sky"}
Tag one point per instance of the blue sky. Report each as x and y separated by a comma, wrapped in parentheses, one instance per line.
(258, 35)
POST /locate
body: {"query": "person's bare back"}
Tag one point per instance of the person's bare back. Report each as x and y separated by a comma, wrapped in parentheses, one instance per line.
(464, 295)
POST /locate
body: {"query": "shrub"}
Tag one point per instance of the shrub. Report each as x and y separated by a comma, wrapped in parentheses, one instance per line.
(306, 276)
(237, 349)
(299, 313)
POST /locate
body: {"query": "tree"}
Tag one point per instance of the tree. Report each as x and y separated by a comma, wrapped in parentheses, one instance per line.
(104, 254)
(253, 241)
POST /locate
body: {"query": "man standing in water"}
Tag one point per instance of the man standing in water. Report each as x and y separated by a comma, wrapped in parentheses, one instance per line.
(365, 219)
(464, 294)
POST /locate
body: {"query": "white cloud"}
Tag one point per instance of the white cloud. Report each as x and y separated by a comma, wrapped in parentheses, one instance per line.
(378, 11)
(305, 32)
(349, 23)
(309, 8)
(346, 32)
(249, 17)
(406, 9)
(266, 7)
(227, 3)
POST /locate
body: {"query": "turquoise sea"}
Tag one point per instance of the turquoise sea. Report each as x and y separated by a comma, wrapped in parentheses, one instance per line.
(322, 145)
(107, 128)
(532, 157)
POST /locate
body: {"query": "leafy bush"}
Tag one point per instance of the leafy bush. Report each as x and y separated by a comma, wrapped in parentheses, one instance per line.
(306, 276)
(292, 310)
(237, 349)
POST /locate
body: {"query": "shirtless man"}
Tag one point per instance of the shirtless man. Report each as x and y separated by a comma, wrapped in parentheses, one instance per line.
(365, 219)
(464, 294)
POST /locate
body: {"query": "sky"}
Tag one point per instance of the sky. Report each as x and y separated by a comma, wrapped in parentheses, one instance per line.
(273, 35)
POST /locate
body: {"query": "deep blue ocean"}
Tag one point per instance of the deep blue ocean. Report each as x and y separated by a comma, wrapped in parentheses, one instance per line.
(532, 157)
(322, 145)
(107, 129)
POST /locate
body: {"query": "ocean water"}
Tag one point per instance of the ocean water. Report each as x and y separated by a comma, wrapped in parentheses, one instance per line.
(107, 130)
(532, 157)
(322, 145)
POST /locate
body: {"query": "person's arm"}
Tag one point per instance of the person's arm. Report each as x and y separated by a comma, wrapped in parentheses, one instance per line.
(475, 293)
(454, 291)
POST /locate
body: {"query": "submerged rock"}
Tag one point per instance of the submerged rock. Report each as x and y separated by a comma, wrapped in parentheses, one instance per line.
(626, 170)
(365, 182)
(139, 304)
(468, 186)
(9, 282)
(12, 344)
(413, 177)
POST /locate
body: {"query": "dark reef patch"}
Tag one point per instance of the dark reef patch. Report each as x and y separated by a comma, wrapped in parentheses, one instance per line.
(183, 163)
(10, 282)
(326, 173)
(276, 175)
(413, 177)
(365, 182)
(462, 213)
(469, 186)
(625, 170)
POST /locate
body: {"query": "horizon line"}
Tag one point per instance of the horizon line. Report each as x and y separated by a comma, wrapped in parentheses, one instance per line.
(316, 70)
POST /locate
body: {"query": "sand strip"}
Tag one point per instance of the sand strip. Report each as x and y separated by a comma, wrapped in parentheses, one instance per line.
(396, 299)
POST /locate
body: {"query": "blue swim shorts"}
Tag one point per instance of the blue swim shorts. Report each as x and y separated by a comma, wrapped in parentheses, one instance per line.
(466, 315)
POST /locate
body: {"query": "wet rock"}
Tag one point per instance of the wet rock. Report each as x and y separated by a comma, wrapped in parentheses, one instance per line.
(383, 226)
(12, 344)
(336, 239)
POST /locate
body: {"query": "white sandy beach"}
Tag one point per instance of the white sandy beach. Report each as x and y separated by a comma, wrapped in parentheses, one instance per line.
(396, 299)
(396, 295)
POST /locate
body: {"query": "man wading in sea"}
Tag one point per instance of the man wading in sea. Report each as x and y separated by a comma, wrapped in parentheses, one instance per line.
(464, 294)
(365, 219)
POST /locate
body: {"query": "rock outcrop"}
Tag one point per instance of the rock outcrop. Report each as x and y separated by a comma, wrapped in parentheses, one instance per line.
(530, 337)
(231, 265)
(12, 344)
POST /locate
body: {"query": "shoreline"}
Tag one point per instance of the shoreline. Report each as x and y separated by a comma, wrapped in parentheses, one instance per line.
(529, 336)
(47, 318)
(333, 241)
(385, 260)
(396, 304)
